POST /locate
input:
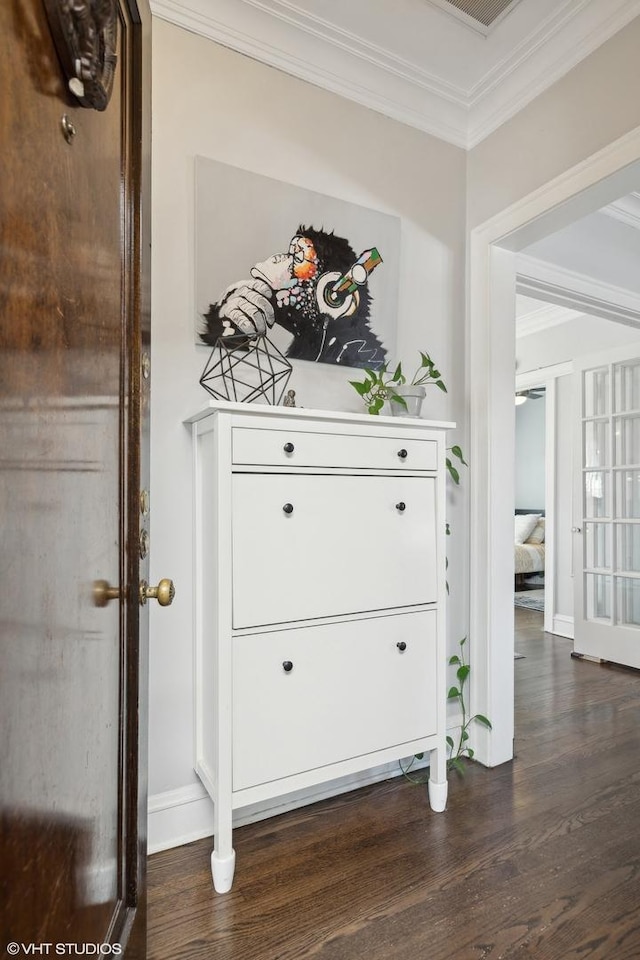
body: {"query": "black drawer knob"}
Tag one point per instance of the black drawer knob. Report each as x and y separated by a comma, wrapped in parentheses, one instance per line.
(401, 646)
(288, 508)
(287, 666)
(402, 454)
(289, 447)
(401, 507)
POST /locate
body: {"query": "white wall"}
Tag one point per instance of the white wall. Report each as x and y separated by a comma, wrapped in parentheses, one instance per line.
(584, 334)
(212, 102)
(582, 113)
(530, 467)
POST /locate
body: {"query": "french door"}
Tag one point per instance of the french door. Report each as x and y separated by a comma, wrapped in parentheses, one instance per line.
(606, 527)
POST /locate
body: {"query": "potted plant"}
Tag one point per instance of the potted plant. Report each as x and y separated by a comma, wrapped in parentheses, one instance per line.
(405, 396)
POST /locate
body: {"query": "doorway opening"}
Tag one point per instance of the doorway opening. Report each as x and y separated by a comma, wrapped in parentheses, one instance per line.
(607, 176)
(530, 541)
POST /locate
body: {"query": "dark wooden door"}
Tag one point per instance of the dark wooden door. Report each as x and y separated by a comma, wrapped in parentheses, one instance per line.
(74, 310)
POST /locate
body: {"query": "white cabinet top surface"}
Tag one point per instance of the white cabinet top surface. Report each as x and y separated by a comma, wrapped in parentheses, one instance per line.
(303, 414)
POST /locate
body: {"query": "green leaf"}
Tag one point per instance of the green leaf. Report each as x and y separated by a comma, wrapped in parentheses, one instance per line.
(418, 756)
(362, 388)
(455, 476)
(450, 742)
(376, 406)
(463, 672)
(483, 720)
(396, 399)
(440, 384)
(464, 737)
(373, 376)
(447, 529)
(457, 452)
(456, 764)
(471, 753)
(453, 693)
(397, 374)
(454, 659)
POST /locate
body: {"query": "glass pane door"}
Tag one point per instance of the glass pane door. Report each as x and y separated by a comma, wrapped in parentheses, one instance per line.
(607, 613)
(597, 494)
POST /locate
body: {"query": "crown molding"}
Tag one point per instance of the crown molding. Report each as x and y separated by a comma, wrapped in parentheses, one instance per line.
(576, 291)
(543, 376)
(283, 35)
(543, 317)
(626, 210)
(313, 51)
(559, 45)
(530, 45)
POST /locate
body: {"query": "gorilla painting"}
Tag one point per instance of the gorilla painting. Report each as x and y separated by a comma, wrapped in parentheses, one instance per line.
(317, 291)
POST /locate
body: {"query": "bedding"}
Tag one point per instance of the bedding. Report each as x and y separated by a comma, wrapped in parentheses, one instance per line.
(529, 557)
(529, 543)
(524, 526)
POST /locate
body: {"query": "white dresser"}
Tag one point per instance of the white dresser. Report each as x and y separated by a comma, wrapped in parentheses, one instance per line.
(320, 596)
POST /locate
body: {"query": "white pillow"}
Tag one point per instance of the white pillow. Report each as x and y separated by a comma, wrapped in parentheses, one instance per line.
(537, 535)
(525, 523)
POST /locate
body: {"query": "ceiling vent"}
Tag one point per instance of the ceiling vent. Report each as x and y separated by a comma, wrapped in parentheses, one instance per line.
(485, 12)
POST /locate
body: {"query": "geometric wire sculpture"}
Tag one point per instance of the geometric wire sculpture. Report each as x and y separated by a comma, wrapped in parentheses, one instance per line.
(242, 370)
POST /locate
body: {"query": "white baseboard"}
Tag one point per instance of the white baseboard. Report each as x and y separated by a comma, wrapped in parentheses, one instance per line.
(562, 626)
(181, 816)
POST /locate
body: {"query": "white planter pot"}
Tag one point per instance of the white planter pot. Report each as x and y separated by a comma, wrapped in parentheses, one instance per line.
(413, 397)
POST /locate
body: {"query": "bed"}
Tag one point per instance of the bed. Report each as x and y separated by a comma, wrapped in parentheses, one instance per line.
(529, 544)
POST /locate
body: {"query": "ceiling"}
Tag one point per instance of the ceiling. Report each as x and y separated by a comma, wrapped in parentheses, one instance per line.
(453, 68)
(590, 266)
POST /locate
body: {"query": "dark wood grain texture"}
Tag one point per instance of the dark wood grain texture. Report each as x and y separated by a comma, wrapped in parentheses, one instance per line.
(74, 303)
(539, 858)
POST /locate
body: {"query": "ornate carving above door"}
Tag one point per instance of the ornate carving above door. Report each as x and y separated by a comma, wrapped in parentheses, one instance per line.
(85, 33)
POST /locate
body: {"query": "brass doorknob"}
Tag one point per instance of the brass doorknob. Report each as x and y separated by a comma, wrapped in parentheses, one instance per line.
(163, 593)
(103, 592)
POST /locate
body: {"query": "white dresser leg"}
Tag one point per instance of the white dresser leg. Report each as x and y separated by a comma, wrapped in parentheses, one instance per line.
(438, 795)
(222, 870)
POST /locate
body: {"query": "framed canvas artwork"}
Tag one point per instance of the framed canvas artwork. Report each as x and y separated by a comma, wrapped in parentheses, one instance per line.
(317, 275)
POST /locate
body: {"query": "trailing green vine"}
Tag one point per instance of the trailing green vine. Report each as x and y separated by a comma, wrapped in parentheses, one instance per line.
(462, 749)
(451, 468)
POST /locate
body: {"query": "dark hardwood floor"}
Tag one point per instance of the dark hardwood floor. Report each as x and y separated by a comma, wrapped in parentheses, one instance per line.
(539, 858)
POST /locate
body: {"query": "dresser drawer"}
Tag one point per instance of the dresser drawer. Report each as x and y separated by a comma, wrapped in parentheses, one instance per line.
(308, 546)
(294, 448)
(349, 691)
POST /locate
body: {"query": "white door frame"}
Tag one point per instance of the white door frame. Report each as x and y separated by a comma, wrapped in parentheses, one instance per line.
(546, 377)
(598, 180)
